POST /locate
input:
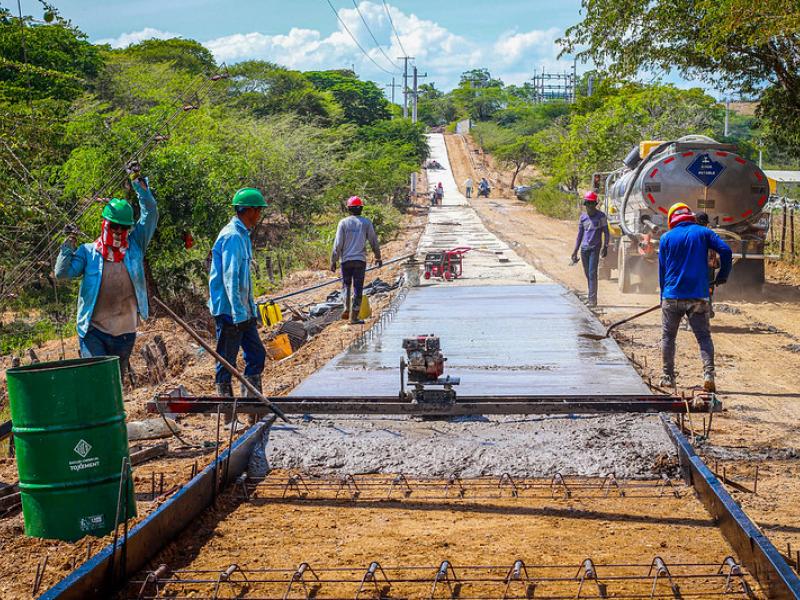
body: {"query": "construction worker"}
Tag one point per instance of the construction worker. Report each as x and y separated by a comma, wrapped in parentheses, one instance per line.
(592, 242)
(468, 187)
(113, 291)
(683, 277)
(231, 300)
(484, 188)
(349, 247)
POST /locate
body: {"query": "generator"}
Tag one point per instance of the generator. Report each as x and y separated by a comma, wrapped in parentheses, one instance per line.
(423, 365)
(708, 176)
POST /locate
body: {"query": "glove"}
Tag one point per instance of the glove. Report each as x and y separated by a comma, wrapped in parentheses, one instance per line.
(379, 262)
(719, 281)
(574, 258)
(333, 266)
(603, 252)
(72, 236)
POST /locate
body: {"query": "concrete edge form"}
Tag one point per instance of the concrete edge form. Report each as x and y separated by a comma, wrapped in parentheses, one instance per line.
(751, 546)
(96, 579)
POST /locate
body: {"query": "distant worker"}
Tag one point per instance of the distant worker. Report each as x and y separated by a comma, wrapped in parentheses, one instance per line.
(439, 193)
(350, 247)
(713, 262)
(468, 187)
(592, 242)
(231, 301)
(113, 292)
(484, 188)
(683, 277)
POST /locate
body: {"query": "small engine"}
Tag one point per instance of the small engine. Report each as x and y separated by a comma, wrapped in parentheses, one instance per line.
(425, 359)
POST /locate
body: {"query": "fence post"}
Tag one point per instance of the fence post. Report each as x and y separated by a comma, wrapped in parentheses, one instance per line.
(783, 231)
(791, 231)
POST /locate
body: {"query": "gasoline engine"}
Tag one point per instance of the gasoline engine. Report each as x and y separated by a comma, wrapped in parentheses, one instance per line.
(424, 364)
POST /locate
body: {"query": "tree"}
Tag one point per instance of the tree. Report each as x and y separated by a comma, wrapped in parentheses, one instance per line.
(186, 55)
(517, 155)
(737, 45)
(362, 102)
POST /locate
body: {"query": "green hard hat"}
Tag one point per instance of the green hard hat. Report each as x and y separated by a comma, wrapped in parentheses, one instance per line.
(249, 197)
(119, 212)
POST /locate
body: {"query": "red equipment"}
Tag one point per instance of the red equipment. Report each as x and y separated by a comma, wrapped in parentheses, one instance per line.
(447, 264)
(354, 201)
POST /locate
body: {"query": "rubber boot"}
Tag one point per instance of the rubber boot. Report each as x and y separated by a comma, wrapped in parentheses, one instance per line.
(255, 380)
(346, 313)
(354, 319)
(667, 381)
(709, 385)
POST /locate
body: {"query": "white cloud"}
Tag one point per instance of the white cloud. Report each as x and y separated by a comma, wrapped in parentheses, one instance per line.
(134, 37)
(444, 55)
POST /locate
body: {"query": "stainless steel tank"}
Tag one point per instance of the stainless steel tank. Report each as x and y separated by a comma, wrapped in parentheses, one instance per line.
(708, 176)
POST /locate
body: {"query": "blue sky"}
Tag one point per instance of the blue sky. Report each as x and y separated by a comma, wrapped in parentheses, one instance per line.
(510, 37)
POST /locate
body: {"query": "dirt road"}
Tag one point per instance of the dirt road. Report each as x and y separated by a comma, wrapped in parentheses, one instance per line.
(758, 358)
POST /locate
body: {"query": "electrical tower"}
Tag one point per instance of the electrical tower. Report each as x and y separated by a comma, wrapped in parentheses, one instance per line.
(555, 86)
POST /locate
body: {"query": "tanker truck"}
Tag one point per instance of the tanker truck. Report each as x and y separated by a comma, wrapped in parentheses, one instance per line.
(708, 176)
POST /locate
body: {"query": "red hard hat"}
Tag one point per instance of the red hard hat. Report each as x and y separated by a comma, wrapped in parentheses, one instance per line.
(354, 201)
(590, 197)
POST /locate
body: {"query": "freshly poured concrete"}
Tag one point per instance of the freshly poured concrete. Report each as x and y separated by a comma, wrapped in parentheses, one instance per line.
(503, 335)
(500, 340)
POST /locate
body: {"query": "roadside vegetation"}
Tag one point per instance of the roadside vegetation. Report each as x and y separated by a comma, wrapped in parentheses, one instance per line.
(72, 113)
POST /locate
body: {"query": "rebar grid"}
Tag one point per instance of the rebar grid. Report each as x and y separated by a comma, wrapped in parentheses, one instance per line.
(518, 581)
(399, 487)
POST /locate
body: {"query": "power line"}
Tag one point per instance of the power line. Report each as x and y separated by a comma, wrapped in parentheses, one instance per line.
(352, 37)
(391, 22)
(374, 39)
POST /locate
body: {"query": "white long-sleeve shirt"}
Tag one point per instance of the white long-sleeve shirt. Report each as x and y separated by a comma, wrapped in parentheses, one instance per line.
(352, 236)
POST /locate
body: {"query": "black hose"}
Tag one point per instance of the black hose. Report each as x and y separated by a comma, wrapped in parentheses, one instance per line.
(639, 169)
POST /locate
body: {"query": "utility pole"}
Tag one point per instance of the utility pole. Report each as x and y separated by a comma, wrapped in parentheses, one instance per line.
(393, 85)
(405, 60)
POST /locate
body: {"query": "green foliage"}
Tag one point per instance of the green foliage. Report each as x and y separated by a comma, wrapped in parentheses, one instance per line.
(185, 55)
(738, 45)
(517, 155)
(363, 102)
(552, 201)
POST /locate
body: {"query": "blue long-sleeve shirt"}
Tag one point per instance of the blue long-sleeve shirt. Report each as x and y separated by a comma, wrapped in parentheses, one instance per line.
(229, 284)
(87, 262)
(683, 261)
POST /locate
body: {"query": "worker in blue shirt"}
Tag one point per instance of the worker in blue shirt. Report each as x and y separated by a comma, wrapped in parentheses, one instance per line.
(685, 290)
(113, 293)
(231, 299)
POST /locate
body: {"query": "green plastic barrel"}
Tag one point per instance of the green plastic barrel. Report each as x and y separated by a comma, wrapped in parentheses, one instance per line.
(70, 440)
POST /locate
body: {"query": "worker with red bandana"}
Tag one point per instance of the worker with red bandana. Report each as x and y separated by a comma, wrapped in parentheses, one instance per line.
(113, 292)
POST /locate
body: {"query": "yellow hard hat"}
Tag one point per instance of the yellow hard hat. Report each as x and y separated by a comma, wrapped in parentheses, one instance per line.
(678, 213)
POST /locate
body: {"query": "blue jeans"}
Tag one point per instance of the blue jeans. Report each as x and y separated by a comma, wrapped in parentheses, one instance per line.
(698, 312)
(230, 338)
(98, 343)
(590, 258)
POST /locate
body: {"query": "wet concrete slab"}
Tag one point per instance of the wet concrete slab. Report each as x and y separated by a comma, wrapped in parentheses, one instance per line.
(500, 340)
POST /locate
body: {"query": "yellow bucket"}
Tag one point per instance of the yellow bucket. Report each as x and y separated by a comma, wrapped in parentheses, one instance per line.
(365, 311)
(270, 314)
(279, 348)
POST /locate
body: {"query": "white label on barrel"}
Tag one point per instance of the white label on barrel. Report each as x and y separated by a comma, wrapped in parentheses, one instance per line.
(93, 522)
(82, 449)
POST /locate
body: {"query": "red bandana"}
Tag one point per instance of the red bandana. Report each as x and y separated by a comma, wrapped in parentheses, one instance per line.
(112, 244)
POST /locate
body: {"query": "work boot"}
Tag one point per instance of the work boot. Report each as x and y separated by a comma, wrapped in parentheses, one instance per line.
(255, 380)
(354, 318)
(667, 381)
(709, 385)
(346, 313)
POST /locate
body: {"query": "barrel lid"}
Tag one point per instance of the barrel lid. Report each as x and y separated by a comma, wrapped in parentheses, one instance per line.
(71, 363)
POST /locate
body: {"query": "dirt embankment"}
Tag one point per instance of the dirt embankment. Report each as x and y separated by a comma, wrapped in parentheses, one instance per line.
(193, 368)
(757, 343)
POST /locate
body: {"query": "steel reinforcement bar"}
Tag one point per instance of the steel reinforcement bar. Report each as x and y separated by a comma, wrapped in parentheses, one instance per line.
(752, 547)
(110, 568)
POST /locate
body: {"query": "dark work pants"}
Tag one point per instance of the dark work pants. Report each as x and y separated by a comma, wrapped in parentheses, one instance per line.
(98, 343)
(230, 338)
(353, 273)
(590, 258)
(698, 313)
